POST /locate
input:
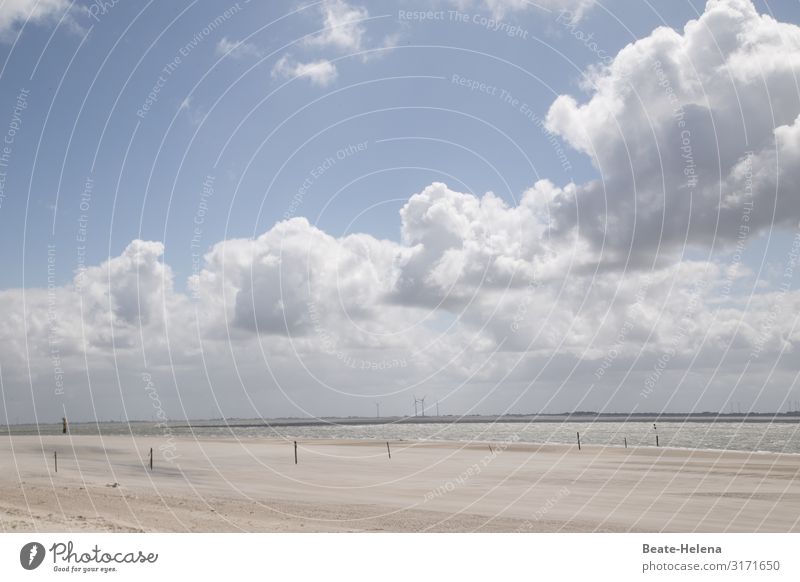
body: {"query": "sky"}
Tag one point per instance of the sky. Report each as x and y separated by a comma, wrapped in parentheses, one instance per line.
(269, 209)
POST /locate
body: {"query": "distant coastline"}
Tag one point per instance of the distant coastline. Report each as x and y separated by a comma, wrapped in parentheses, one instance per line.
(581, 417)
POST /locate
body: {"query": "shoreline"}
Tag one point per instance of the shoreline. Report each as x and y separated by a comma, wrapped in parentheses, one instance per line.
(711, 418)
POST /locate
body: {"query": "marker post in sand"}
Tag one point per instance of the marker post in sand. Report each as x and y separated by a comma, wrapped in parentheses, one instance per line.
(295, 452)
(656, 440)
(55, 460)
(579, 441)
(626, 441)
(388, 450)
(151, 458)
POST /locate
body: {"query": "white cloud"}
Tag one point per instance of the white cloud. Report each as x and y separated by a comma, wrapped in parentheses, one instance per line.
(196, 114)
(502, 8)
(470, 296)
(16, 12)
(295, 275)
(677, 126)
(459, 243)
(237, 49)
(321, 72)
(343, 26)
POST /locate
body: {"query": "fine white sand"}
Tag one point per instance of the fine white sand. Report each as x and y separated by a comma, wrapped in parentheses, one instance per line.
(104, 484)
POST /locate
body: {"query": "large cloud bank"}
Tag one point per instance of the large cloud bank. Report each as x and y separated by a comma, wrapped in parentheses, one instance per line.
(580, 295)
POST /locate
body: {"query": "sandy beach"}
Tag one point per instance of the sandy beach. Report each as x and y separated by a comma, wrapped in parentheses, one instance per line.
(104, 484)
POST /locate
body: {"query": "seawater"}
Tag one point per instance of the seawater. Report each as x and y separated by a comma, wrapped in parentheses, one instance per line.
(778, 437)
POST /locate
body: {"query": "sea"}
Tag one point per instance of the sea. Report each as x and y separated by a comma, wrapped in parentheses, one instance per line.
(764, 436)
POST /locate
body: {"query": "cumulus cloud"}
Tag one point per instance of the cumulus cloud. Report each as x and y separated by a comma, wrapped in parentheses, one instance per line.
(686, 128)
(131, 285)
(469, 296)
(321, 72)
(16, 12)
(459, 243)
(106, 310)
(296, 276)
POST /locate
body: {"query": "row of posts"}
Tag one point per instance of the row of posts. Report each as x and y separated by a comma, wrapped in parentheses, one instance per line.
(388, 451)
(55, 456)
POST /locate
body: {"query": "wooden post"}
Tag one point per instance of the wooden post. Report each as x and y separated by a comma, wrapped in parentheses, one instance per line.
(295, 452)
(626, 442)
(579, 441)
(656, 440)
(55, 460)
(151, 458)
(388, 450)
(490, 449)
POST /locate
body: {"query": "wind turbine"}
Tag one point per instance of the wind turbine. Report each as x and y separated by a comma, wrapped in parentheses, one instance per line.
(421, 403)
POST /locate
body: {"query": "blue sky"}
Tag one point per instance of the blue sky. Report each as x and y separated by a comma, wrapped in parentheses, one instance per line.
(199, 127)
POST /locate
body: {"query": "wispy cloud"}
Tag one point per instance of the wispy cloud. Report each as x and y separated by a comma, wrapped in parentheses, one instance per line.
(14, 13)
(237, 49)
(343, 26)
(321, 72)
(195, 113)
(501, 8)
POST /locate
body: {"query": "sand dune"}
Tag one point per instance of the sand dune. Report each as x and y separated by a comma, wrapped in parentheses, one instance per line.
(254, 485)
